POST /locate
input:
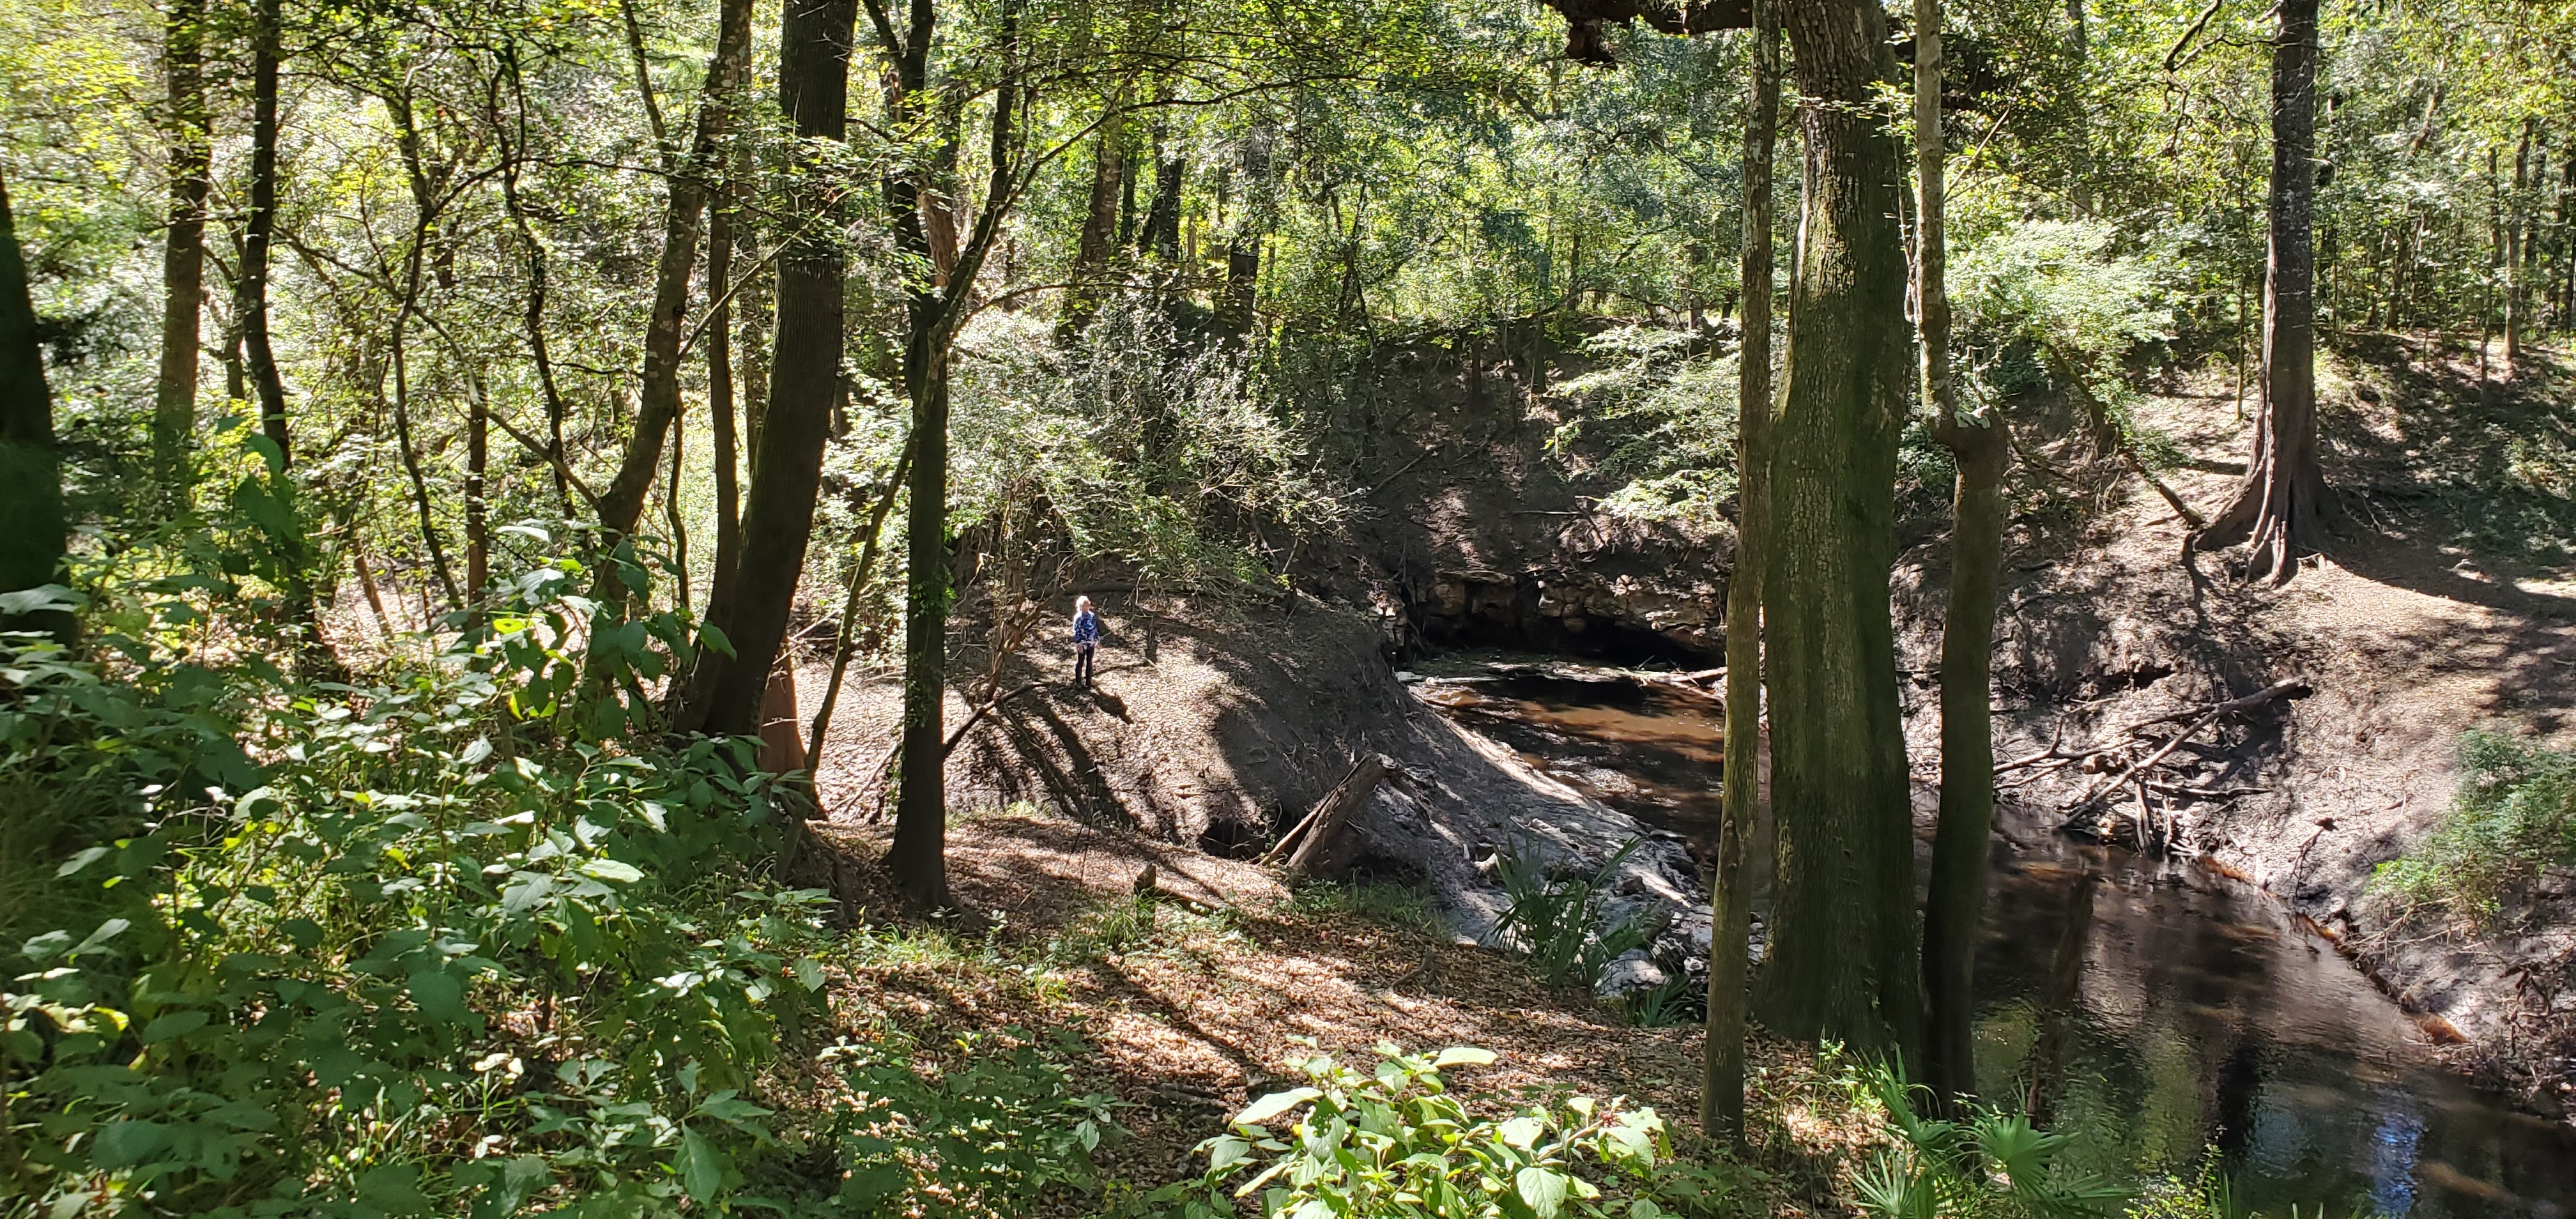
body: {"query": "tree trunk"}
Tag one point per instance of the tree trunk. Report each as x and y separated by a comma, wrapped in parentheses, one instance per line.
(1979, 448)
(1721, 1105)
(2284, 506)
(1843, 962)
(1161, 234)
(1099, 238)
(260, 225)
(918, 856)
(805, 380)
(31, 484)
(658, 403)
(532, 317)
(720, 408)
(183, 249)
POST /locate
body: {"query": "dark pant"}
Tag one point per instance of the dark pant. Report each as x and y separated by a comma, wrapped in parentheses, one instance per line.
(1082, 661)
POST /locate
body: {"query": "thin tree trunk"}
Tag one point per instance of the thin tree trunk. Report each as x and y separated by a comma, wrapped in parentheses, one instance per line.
(1844, 961)
(918, 855)
(260, 225)
(183, 250)
(478, 511)
(31, 484)
(778, 514)
(1981, 452)
(533, 317)
(2513, 238)
(2284, 507)
(1721, 1106)
(720, 408)
(844, 642)
(658, 403)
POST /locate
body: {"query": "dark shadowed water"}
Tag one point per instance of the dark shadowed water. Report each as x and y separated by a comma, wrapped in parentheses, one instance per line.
(2156, 1010)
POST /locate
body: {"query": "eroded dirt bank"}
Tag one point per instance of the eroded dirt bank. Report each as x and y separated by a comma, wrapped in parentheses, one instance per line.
(1218, 723)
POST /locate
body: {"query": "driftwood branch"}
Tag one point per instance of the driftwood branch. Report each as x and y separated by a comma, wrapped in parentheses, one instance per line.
(1313, 836)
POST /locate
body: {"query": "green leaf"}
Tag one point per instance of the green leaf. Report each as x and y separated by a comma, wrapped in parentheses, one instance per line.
(1543, 1189)
(128, 1143)
(1271, 1106)
(163, 1028)
(611, 870)
(701, 1166)
(440, 996)
(1464, 1056)
(1225, 1151)
(809, 972)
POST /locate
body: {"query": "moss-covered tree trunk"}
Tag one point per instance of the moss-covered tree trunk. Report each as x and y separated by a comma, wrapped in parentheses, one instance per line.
(1843, 961)
(1721, 1105)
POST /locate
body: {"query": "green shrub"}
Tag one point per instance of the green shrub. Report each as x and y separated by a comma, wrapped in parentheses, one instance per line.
(2514, 814)
(1397, 1142)
(997, 1130)
(1556, 922)
(430, 946)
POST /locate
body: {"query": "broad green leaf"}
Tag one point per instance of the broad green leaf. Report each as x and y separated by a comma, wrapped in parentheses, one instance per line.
(701, 1166)
(1543, 1189)
(1271, 1106)
(1464, 1056)
(611, 870)
(440, 996)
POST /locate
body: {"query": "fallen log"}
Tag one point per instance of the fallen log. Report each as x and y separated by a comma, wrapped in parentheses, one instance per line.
(1314, 836)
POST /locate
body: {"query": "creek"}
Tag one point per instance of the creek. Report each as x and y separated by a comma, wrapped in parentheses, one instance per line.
(2154, 1009)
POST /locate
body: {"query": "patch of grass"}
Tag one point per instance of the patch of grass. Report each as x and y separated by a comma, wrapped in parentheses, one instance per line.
(2514, 814)
(1402, 907)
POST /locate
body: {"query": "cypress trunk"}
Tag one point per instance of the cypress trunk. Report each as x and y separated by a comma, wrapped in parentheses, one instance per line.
(2284, 507)
(1721, 1106)
(183, 248)
(1843, 961)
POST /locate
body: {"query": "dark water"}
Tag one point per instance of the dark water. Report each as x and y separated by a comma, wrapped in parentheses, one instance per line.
(2164, 1010)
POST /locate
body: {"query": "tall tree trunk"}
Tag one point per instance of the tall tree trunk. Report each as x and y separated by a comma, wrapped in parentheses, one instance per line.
(720, 408)
(1099, 239)
(260, 226)
(1844, 956)
(1721, 1105)
(658, 404)
(2284, 507)
(1161, 234)
(2516, 228)
(918, 855)
(183, 249)
(31, 483)
(1978, 447)
(805, 380)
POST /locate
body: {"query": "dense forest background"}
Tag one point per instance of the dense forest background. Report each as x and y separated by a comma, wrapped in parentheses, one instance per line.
(436, 433)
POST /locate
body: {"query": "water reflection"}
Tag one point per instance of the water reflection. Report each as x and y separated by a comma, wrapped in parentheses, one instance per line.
(2156, 1011)
(2199, 1015)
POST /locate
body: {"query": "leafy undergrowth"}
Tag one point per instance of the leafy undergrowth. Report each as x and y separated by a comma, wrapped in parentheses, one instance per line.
(472, 937)
(2513, 817)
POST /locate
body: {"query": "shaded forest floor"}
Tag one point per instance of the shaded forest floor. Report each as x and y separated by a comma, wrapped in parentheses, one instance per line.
(1208, 992)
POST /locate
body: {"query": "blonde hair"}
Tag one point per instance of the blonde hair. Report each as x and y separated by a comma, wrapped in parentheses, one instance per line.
(1081, 603)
